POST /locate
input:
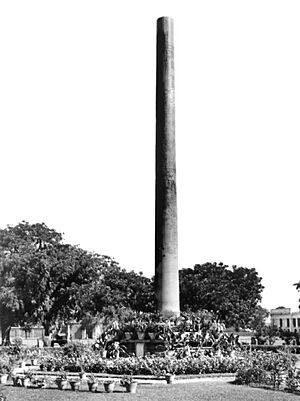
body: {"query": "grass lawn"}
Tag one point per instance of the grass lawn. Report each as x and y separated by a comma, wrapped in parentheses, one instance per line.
(216, 390)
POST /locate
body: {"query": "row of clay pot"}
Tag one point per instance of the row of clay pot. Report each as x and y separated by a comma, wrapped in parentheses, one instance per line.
(75, 384)
(93, 386)
(140, 335)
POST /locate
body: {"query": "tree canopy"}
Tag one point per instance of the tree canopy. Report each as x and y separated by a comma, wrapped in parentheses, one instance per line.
(233, 294)
(43, 280)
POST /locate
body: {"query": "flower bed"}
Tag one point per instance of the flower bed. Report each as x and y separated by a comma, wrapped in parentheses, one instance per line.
(149, 365)
(263, 369)
(69, 359)
(269, 369)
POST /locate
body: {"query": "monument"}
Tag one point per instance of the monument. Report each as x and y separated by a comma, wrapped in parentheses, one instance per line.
(166, 254)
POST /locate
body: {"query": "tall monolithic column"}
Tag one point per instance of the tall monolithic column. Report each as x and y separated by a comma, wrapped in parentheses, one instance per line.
(166, 260)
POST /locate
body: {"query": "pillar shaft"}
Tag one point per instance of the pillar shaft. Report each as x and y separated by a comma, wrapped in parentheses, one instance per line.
(166, 259)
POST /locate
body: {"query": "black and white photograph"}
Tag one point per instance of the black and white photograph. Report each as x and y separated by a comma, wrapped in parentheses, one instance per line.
(150, 205)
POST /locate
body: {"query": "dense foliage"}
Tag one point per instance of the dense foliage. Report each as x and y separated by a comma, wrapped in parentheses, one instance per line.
(182, 335)
(233, 294)
(44, 280)
(80, 358)
(266, 368)
(149, 365)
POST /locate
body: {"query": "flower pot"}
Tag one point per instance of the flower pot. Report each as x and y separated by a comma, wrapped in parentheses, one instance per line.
(128, 335)
(42, 384)
(75, 385)
(34, 362)
(141, 335)
(131, 387)
(16, 381)
(93, 386)
(25, 381)
(109, 387)
(151, 335)
(170, 379)
(82, 375)
(23, 365)
(62, 384)
(45, 384)
(3, 378)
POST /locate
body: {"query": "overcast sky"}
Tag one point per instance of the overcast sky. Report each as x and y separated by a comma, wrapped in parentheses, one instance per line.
(77, 124)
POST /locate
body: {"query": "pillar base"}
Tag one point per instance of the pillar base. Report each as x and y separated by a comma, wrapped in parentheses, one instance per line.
(166, 314)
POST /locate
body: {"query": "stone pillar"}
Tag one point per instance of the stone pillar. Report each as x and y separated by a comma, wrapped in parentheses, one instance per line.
(166, 263)
(68, 332)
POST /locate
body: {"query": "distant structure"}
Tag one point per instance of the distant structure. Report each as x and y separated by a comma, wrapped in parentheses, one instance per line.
(284, 319)
(166, 255)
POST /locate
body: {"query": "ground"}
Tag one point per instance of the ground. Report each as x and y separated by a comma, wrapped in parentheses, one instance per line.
(206, 390)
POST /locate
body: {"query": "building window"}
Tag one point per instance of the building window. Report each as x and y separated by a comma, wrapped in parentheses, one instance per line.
(280, 322)
(294, 322)
(287, 322)
(298, 321)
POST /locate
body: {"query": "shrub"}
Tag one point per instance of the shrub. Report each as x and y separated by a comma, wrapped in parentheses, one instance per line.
(292, 381)
(267, 368)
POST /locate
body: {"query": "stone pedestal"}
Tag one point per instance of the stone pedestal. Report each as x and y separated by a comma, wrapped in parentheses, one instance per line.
(139, 349)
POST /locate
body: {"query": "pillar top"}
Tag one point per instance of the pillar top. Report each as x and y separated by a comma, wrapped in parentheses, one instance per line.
(165, 20)
(165, 26)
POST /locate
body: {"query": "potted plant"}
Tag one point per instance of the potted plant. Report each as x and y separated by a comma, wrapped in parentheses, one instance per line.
(3, 378)
(5, 370)
(92, 383)
(129, 383)
(34, 357)
(151, 331)
(115, 349)
(169, 372)
(140, 325)
(128, 331)
(109, 386)
(170, 378)
(75, 384)
(16, 380)
(62, 381)
(41, 382)
(101, 344)
(82, 374)
(26, 379)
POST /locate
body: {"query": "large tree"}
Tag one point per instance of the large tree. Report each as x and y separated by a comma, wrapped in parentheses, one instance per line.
(25, 253)
(259, 319)
(43, 280)
(233, 294)
(126, 289)
(40, 276)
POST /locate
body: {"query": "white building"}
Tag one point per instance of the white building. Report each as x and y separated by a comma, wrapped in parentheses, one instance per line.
(283, 318)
